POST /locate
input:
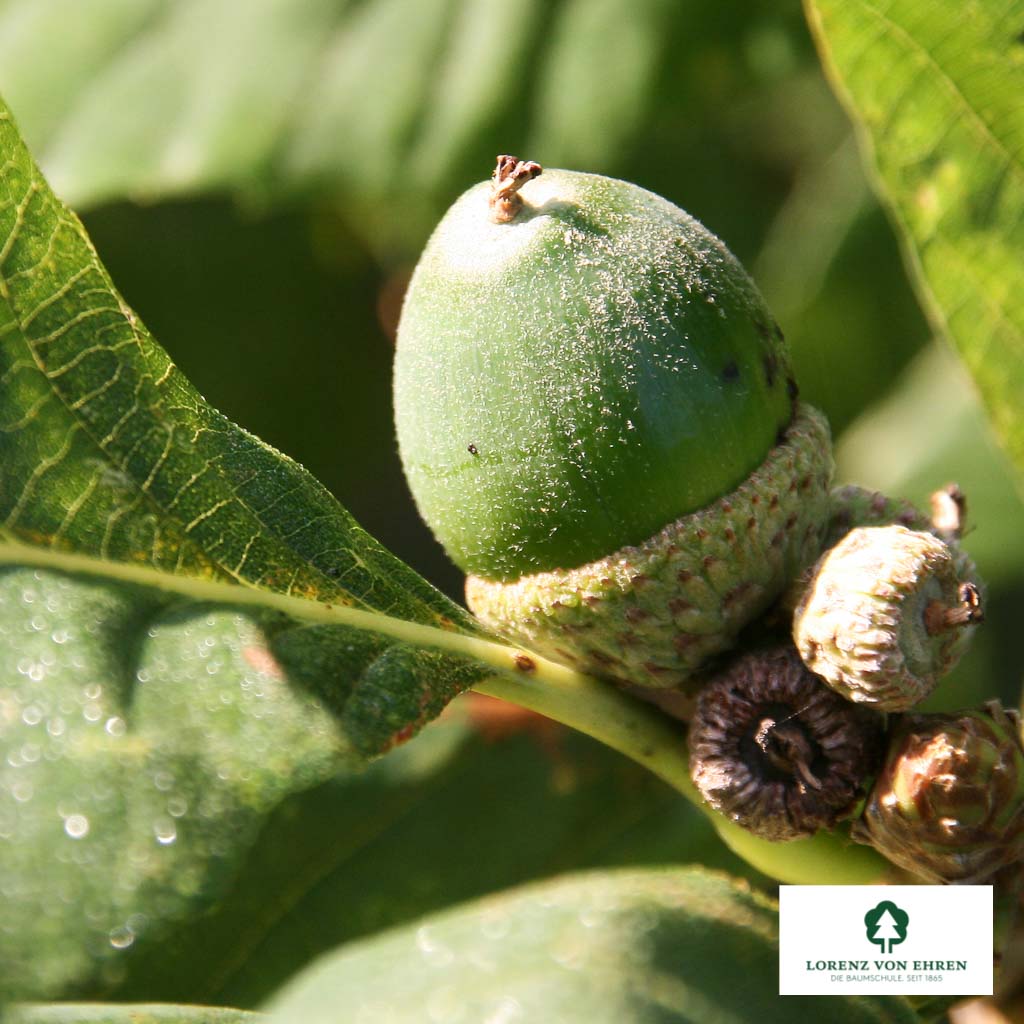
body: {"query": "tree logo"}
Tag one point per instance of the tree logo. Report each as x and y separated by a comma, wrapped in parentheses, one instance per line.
(886, 925)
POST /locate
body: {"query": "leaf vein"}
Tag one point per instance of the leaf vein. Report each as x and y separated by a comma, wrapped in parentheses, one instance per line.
(39, 472)
(212, 510)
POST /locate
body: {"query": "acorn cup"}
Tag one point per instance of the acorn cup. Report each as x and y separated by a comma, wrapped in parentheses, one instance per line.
(948, 805)
(885, 614)
(851, 506)
(598, 420)
(777, 751)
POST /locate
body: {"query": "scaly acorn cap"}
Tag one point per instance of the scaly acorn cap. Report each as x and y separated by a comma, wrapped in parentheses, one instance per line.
(777, 751)
(885, 616)
(652, 613)
(851, 505)
(948, 804)
(580, 367)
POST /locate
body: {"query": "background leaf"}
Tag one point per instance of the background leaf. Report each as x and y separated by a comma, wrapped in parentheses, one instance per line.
(935, 90)
(668, 945)
(483, 799)
(188, 96)
(123, 709)
(108, 450)
(158, 834)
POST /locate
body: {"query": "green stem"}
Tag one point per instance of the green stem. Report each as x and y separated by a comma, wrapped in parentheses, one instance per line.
(623, 723)
(496, 655)
(656, 741)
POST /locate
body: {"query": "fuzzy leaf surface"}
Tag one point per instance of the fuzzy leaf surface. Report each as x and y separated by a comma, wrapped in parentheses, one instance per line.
(371, 850)
(935, 92)
(145, 741)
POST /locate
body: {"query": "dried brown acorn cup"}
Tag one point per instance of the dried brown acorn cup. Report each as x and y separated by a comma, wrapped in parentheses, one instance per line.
(598, 420)
(948, 804)
(777, 751)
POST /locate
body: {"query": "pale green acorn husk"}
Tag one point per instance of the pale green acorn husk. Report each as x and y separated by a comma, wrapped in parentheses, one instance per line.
(654, 613)
(873, 618)
(851, 506)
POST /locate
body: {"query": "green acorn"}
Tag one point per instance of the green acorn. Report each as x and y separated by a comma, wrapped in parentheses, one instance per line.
(597, 418)
(885, 615)
(776, 750)
(949, 802)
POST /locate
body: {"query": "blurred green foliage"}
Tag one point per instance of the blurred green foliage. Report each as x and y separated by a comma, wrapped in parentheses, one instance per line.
(259, 178)
(602, 948)
(472, 807)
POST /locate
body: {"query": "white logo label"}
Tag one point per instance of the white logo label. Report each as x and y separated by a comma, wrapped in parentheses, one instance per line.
(838, 939)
